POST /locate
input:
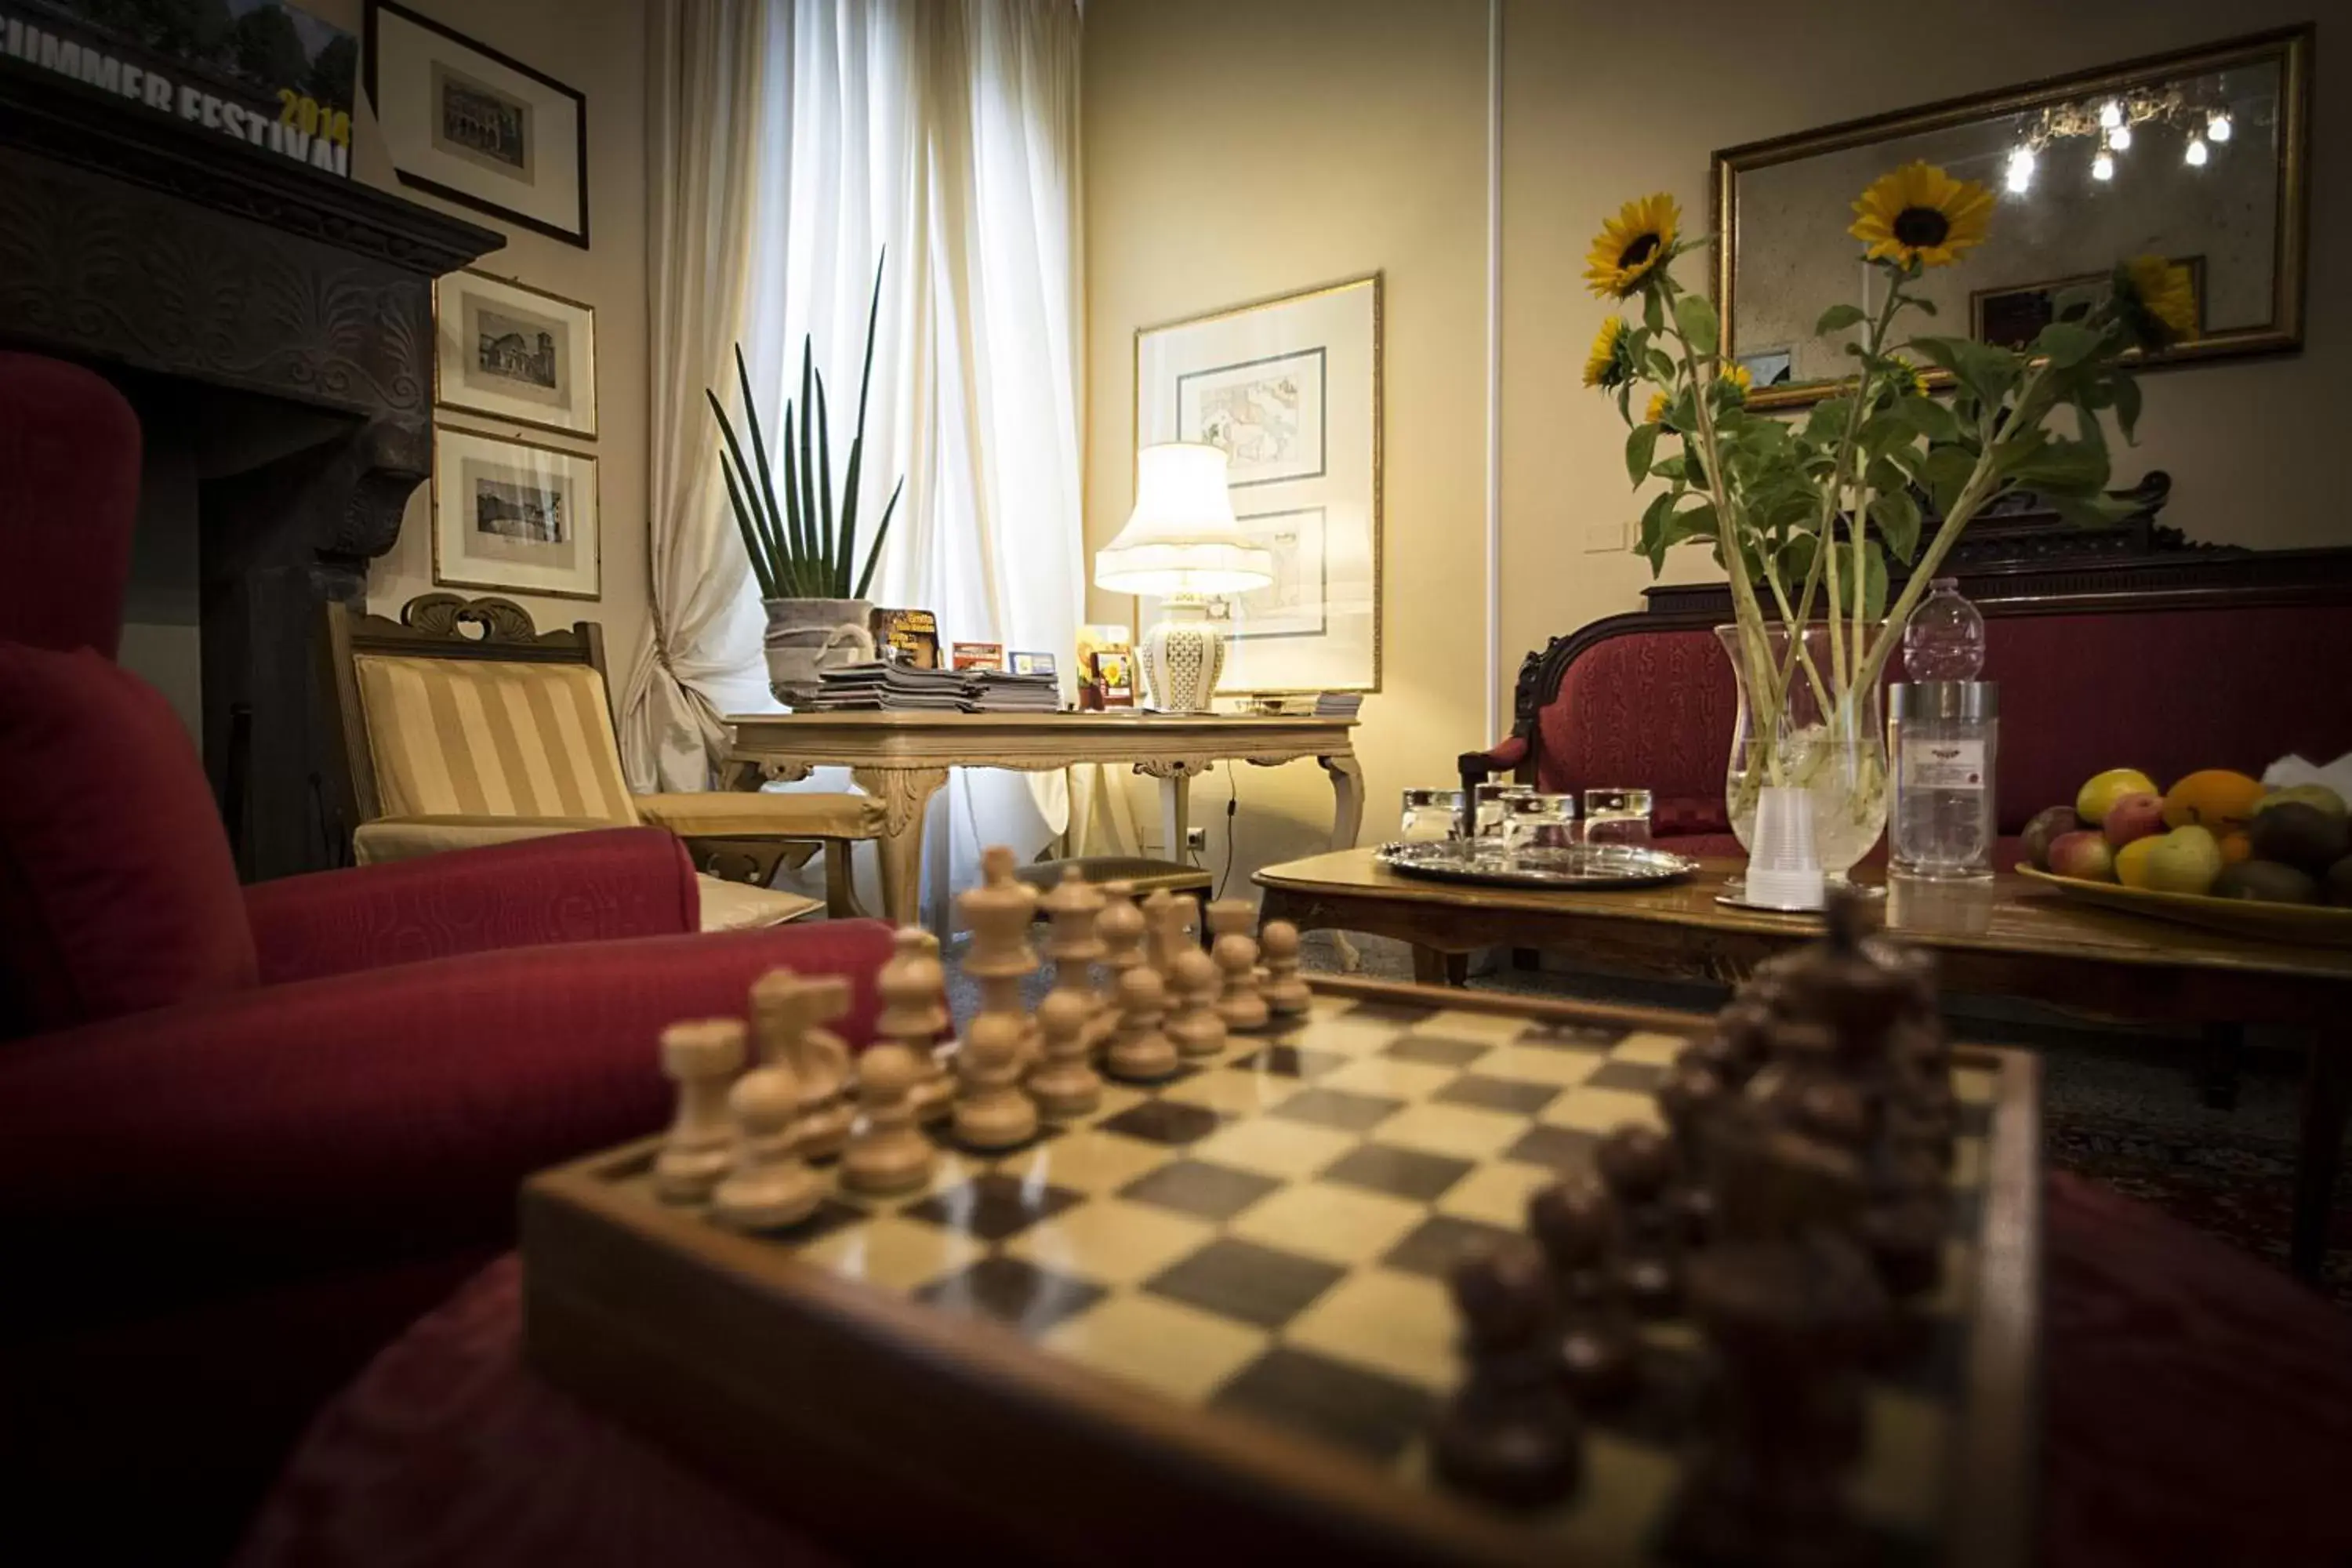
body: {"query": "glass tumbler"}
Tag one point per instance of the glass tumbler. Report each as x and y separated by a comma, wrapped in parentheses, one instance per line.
(1533, 822)
(1489, 799)
(1617, 817)
(1431, 816)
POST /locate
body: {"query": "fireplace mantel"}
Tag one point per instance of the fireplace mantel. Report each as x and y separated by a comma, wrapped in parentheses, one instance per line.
(168, 258)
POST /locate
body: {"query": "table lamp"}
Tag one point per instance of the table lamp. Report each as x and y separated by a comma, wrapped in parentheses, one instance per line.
(1181, 545)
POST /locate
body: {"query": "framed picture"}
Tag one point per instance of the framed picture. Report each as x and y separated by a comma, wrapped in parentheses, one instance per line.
(1290, 388)
(514, 515)
(2013, 317)
(474, 126)
(514, 353)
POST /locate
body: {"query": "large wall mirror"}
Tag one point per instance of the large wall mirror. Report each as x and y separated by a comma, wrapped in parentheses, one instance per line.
(2198, 156)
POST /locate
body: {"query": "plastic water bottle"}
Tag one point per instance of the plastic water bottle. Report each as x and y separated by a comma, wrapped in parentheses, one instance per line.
(1945, 637)
(1943, 730)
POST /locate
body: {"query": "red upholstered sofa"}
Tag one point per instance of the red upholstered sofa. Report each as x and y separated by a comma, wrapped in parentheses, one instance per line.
(2168, 662)
(247, 1134)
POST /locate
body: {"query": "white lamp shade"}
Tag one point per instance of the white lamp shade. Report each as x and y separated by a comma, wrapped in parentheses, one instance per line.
(1181, 537)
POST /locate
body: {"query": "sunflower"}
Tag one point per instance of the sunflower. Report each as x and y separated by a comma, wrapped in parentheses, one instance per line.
(1910, 381)
(2157, 300)
(1631, 245)
(1660, 405)
(1919, 213)
(1610, 365)
(1740, 376)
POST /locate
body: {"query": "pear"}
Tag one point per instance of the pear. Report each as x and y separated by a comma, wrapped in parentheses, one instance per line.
(2185, 861)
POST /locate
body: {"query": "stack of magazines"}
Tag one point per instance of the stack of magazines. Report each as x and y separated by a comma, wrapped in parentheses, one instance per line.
(890, 686)
(1338, 704)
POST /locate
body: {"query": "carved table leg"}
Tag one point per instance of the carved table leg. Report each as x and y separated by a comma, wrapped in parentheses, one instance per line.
(904, 793)
(1175, 812)
(1347, 822)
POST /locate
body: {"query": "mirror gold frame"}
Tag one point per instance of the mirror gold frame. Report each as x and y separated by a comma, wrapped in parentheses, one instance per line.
(2289, 47)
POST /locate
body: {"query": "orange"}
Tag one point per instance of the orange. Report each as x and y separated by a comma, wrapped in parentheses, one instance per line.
(2236, 847)
(2214, 798)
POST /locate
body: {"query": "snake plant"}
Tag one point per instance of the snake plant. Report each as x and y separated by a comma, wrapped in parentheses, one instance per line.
(803, 546)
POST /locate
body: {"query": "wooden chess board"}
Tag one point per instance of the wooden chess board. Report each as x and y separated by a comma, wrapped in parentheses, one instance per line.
(1211, 1314)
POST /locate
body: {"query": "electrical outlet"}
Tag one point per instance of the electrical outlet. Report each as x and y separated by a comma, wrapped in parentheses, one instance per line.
(1196, 840)
(1603, 538)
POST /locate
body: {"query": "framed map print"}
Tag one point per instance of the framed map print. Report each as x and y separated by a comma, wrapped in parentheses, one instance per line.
(1290, 389)
(474, 126)
(514, 353)
(514, 515)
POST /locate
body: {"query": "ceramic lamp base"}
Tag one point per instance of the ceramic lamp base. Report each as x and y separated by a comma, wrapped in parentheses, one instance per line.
(1181, 656)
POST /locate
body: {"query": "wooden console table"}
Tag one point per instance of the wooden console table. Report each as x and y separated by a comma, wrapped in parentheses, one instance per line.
(902, 760)
(2013, 938)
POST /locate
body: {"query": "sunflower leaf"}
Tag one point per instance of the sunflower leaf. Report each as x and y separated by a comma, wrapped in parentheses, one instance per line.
(1653, 312)
(1837, 318)
(1694, 316)
(1897, 517)
(2065, 344)
(1640, 443)
(2127, 407)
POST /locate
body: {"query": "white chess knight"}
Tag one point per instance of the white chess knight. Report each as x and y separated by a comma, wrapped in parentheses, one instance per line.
(787, 1014)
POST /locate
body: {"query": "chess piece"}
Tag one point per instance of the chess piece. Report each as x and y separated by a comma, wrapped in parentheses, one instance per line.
(1240, 1005)
(1689, 1100)
(1065, 1082)
(1075, 909)
(702, 1059)
(999, 911)
(1508, 1434)
(786, 1013)
(991, 1111)
(1195, 1028)
(1285, 993)
(1121, 928)
(1163, 929)
(1140, 1052)
(768, 1187)
(887, 1152)
(934, 1091)
(1637, 1165)
(1598, 1342)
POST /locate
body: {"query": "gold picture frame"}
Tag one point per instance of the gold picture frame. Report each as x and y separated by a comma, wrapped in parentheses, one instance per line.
(514, 562)
(1288, 493)
(2290, 49)
(523, 407)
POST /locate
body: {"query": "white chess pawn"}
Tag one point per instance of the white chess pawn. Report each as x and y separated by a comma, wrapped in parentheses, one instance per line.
(991, 1112)
(1195, 1027)
(1285, 993)
(1241, 1006)
(701, 1058)
(1065, 1082)
(887, 1152)
(1120, 927)
(768, 1187)
(934, 1088)
(1140, 1052)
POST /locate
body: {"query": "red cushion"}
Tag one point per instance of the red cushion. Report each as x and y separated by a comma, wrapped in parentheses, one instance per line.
(69, 490)
(117, 891)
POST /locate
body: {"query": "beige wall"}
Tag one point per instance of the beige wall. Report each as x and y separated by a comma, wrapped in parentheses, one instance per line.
(1235, 150)
(599, 47)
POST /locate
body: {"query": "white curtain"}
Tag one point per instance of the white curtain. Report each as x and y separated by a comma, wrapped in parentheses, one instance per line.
(945, 132)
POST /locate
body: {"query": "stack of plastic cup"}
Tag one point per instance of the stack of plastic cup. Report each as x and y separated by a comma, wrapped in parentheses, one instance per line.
(1784, 871)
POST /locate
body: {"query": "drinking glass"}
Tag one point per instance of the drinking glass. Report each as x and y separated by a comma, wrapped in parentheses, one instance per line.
(1431, 816)
(1538, 822)
(1489, 799)
(1617, 817)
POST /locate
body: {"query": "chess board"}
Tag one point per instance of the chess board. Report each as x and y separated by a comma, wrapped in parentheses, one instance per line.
(1211, 1312)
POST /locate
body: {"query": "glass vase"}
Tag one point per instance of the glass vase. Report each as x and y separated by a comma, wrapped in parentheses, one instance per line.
(1830, 742)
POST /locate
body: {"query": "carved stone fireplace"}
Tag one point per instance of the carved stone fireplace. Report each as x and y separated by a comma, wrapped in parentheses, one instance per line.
(273, 327)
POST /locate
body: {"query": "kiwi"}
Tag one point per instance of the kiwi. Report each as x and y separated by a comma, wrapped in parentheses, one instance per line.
(2265, 881)
(2295, 834)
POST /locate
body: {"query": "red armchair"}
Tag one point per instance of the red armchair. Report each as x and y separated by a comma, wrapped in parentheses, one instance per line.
(247, 1134)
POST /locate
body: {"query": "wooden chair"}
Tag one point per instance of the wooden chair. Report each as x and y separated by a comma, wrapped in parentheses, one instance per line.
(451, 740)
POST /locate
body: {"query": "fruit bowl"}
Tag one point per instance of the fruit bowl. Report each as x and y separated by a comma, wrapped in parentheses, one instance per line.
(2307, 925)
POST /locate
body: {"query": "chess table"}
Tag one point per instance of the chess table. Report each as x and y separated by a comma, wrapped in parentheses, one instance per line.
(1209, 1315)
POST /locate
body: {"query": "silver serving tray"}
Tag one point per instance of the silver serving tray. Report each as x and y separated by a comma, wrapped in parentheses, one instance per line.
(1584, 865)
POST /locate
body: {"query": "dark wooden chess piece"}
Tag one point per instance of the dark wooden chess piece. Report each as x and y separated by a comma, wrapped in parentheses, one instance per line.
(1636, 1163)
(1690, 1098)
(1508, 1434)
(1575, 1222)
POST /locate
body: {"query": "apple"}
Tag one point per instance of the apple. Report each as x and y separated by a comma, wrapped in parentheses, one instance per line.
(2185, 861)
(2044, 830)
(2137, 815)
(2105, 789)
(2083, 854)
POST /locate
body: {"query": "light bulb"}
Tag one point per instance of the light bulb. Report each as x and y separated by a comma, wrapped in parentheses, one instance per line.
(2196, 153)
(2119, 138)
(2020, 169)
(2111, 114)
(2218, 128)
(2104, 167)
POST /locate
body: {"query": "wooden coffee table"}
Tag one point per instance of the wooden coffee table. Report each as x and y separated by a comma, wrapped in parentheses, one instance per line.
(2012, 940)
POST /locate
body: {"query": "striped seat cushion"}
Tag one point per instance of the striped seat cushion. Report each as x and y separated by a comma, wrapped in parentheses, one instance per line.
(490, 737)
